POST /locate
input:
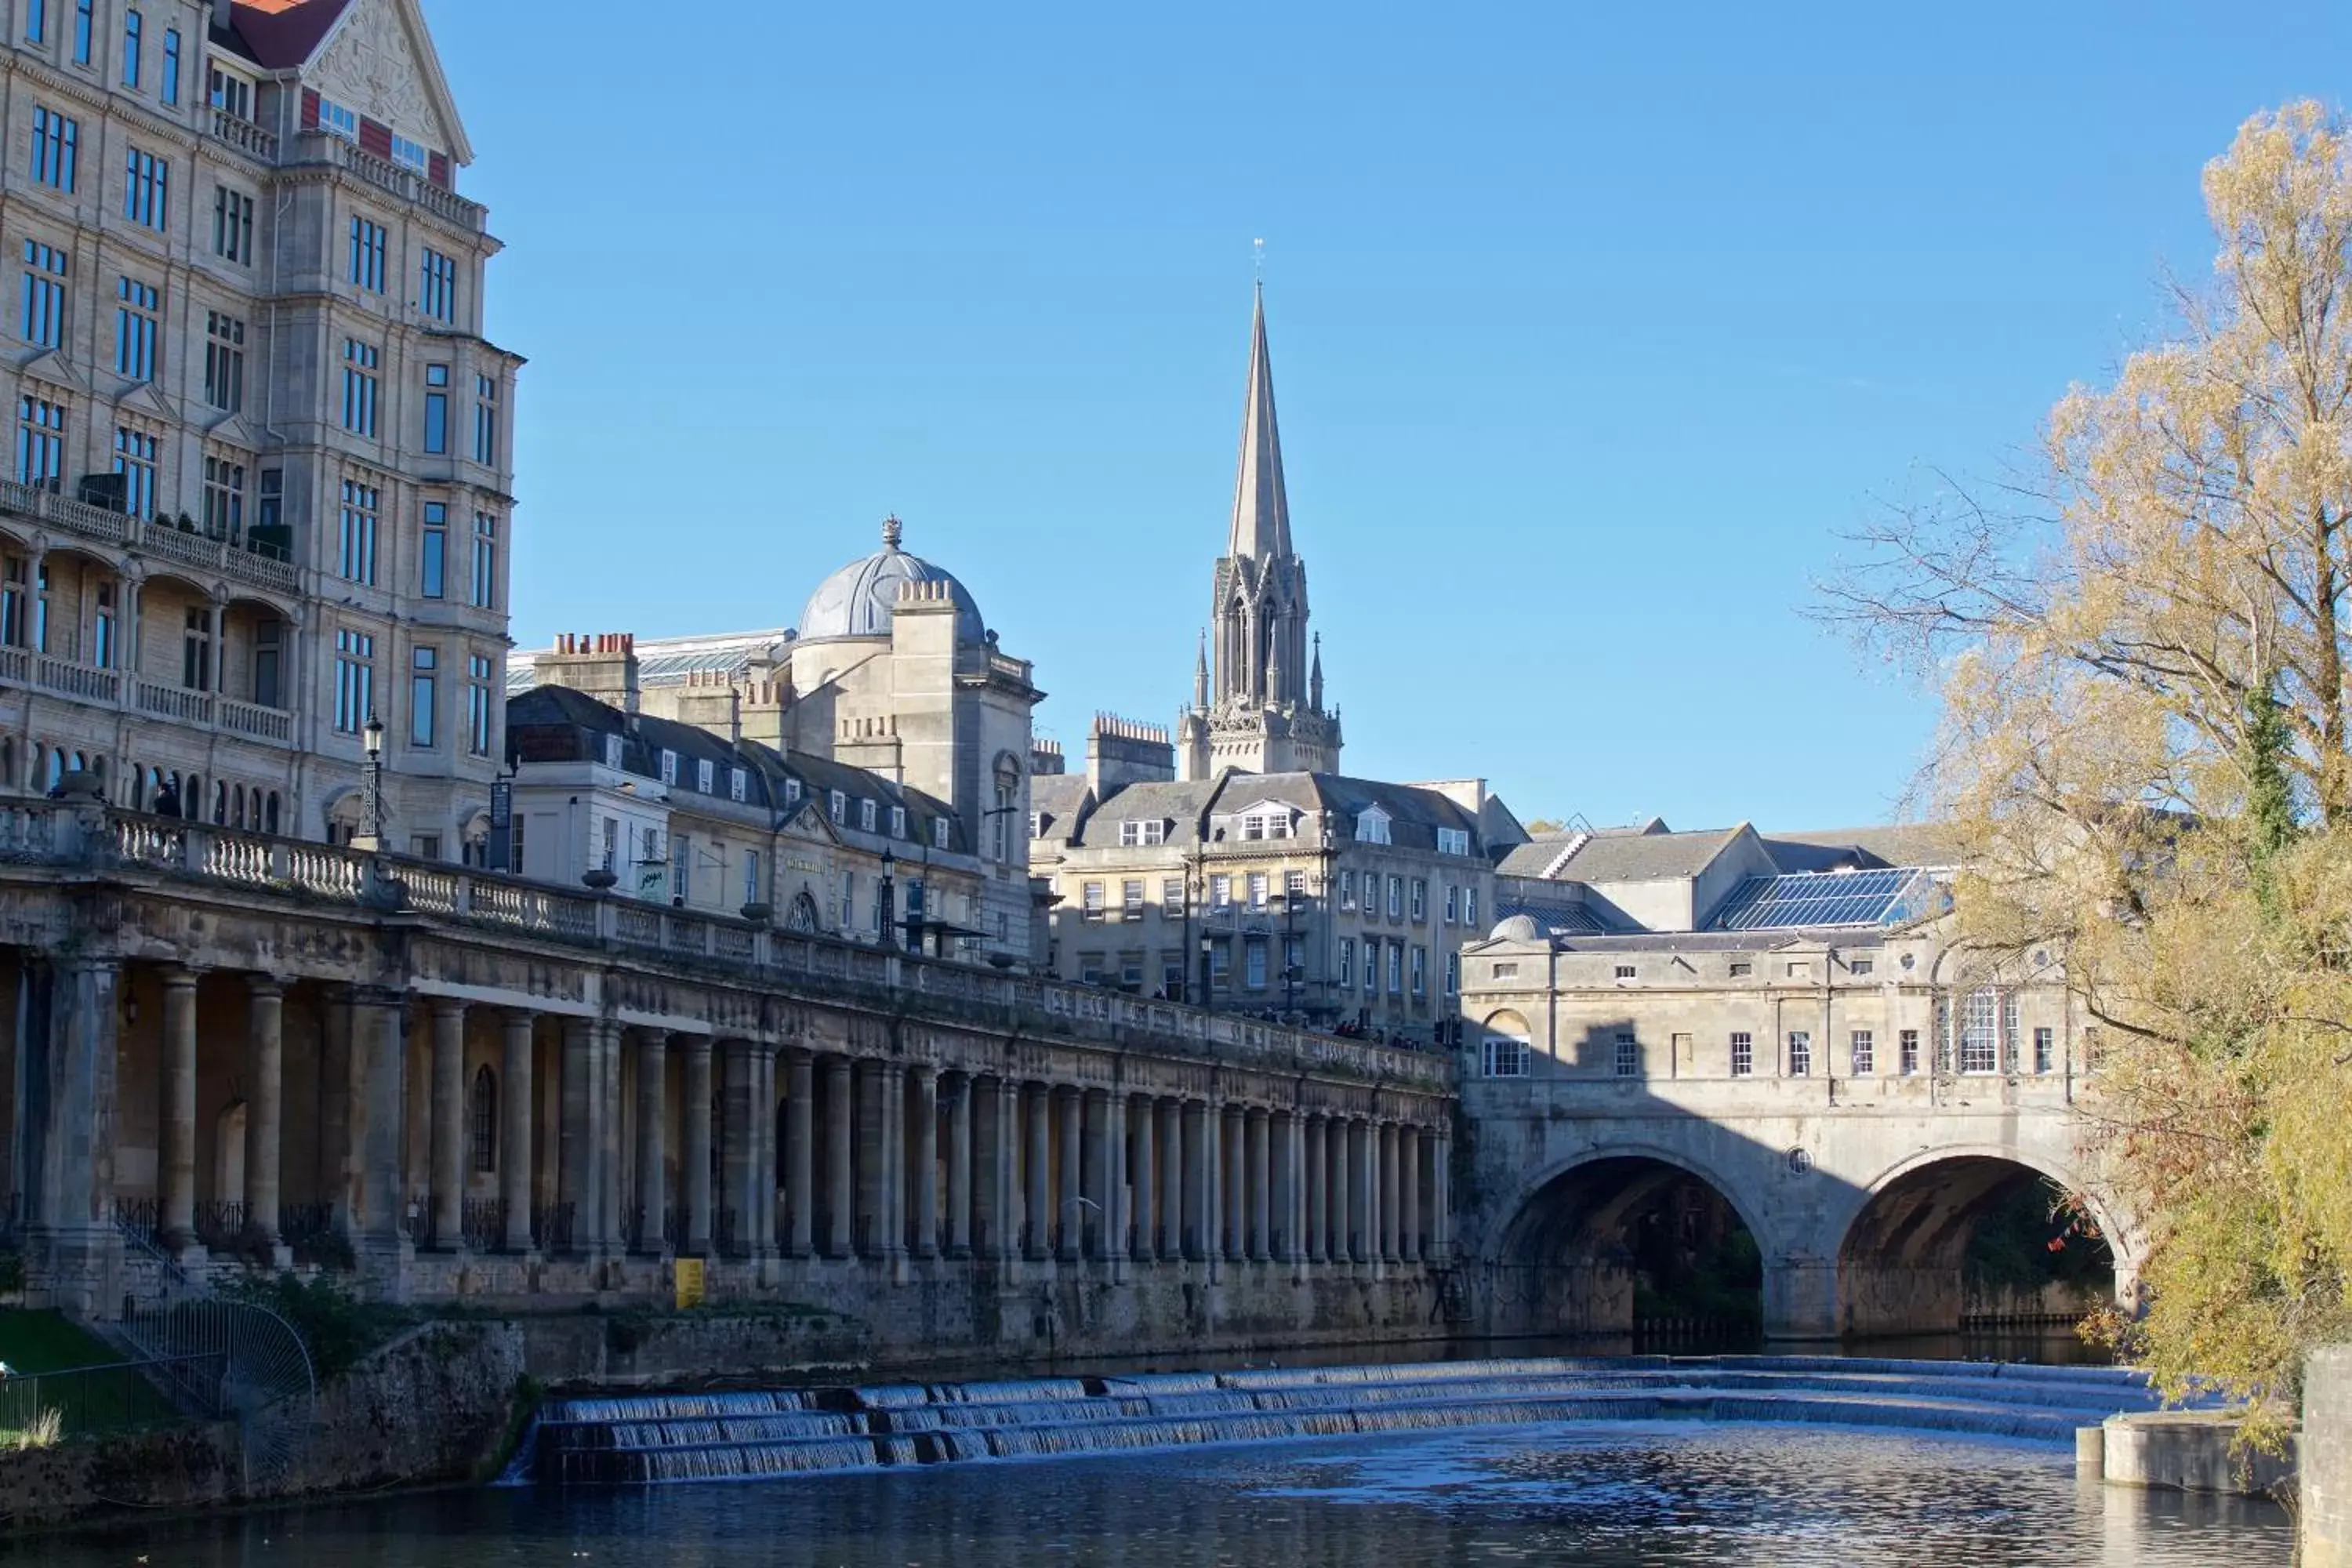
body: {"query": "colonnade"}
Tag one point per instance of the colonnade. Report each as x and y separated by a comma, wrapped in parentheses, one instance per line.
(613, 1140)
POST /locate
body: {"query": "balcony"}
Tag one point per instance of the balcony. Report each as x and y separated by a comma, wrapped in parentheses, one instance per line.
(218, 557)
(245, 136)
(393, 179)
(111, 688)
(68, 679)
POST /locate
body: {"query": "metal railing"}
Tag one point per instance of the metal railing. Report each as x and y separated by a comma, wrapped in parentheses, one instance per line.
(121, 1396)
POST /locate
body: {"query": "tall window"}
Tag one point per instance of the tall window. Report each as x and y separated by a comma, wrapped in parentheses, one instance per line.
(433, 565)
(268, 662)
(1743, 1054)
(339, 120)
(437, 286)
(1979, 1046)
(134, 28)
(486, 561)
(224, 361)
(1906, 1045)
(1801, 1054)
(101, 640)
(40, 440)
(1629, 1057)
(477, 708)
(1420, 971)
(1344, 973)
(368, 247)
(1257, 890)
(170, 87)
(224, 496)
(411, 154)
(1865, 1053)
(85, 27)
(230, 93)
(135, 308)
(56, 148)
(1506, 1057)
(486, 430)
(134, 460)
(483, 1120)
(147, 190)
(36, 21)
(355, 553)
(233, 225)
(437, 409)
(359, 365)
(354, 680)
(1396, 969)
(12, 601)
(197, 650)
(424, 685)
(44, 294)
(2045, 1049)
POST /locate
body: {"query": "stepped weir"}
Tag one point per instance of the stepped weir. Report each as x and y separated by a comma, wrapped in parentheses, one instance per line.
(655, 1438)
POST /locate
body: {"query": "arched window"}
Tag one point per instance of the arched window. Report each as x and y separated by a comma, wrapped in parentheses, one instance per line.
(269, 814)
(98, 771)
(9, 758)
(485, 1120)
(236, 807)
(191, 798)
(57, 771)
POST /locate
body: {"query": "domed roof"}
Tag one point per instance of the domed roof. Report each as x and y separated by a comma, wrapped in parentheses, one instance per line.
(1518, 928)
(857, 600)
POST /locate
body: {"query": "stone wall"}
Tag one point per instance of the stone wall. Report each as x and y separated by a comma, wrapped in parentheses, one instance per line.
(2327, 1459)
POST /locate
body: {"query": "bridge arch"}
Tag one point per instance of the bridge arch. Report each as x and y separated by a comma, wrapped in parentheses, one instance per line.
(1618, 1237)
(1905, 1261)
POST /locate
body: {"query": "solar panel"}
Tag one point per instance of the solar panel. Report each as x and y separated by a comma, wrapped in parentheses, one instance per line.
(1826, 898)
(1556, 919)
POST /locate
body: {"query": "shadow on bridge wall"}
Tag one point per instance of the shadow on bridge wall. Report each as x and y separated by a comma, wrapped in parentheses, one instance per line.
(1593, 1201)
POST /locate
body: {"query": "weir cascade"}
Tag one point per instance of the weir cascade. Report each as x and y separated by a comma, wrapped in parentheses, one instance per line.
(655, 1438)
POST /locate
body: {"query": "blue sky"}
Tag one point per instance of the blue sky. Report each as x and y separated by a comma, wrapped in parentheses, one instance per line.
(1591, 326)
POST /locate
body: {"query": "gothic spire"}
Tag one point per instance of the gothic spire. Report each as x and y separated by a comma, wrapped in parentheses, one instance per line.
(1201, 675)
(1314, 682)
(1260, 510)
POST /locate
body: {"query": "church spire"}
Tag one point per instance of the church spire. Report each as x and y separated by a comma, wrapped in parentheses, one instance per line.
(1201, 675)
(1261, 508)
(1314, 681)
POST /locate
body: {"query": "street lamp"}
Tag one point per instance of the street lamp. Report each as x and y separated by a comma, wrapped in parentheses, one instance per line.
(1208, 989)
(370, 836)
(886, 913)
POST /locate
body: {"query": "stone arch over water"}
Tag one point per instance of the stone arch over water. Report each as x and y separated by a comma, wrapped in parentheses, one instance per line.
(1954, 1235)
(1625, 1240)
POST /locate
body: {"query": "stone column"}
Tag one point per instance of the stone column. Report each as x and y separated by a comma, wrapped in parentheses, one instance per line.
(1212, 1185)
(960, 1094)
(606, 1033)
(1441, 1195)
(515, 1117)
(1191, 1144)
(800, 1149)
(1236, 1142)
(265, 1108)
(1317, 1226)
(876, 1109)
(739, 1148)
(1364, 1209)
(1409, 1194)
(1259, 1130)
(763, 1111)
(176, 1161)
(337, 1171)
(841, 1177)
(576, 1176)
(1037, 1205)
(1170, 1115)
(1337, 1204)
(895, 1196)
(1069, 1219)
(991, 1161)
(380, 1073)
(1283, 1244)
(71, 1011)
(1098, 1214)
(925, 1111)
(653, 1140)
(1146, 1180)
(1391, 1207)
(445, 1136)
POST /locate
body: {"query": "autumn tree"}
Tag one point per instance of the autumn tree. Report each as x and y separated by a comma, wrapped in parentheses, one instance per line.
(2141, 653)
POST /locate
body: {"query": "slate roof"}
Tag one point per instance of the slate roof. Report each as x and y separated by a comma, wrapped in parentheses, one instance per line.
(1899, 844)
(1645, 856)
(668, 661)
(1180, 806)
(1058, 800)
(1555, 919)
(281, 35)
(1534, 857)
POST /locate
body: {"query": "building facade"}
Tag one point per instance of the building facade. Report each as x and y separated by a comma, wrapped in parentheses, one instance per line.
(1338, 901)
(891, 673)
(262, 481)
(1257, 688)
(675, 815)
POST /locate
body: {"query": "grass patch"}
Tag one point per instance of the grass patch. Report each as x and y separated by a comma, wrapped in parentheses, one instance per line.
(96, 1392)
(44, 1341)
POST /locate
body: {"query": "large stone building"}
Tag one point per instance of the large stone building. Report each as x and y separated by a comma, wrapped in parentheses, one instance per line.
(891, 671)
(678, 815)
(1338, 900)
(1257, 691)
(262, 480)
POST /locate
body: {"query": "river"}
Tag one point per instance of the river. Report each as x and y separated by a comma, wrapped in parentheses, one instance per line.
(1618, 1494)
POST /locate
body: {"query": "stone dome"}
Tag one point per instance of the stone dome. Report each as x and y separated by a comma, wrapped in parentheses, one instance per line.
(857, 600)
(1518, 928)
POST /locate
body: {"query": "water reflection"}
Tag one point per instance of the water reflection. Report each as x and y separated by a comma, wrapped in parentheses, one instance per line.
(1583, 1494)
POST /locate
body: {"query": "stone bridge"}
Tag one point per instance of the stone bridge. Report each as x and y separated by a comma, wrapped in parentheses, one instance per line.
(1861, 1192)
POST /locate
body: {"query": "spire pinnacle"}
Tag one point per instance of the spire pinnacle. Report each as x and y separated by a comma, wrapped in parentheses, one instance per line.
(1201, 675)
(1261, 529)
(893, 531)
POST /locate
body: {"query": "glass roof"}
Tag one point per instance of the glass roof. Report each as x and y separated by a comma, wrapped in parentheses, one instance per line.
(1830, 899)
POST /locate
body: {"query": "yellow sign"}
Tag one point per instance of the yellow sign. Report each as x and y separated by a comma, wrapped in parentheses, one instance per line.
(689, 1272)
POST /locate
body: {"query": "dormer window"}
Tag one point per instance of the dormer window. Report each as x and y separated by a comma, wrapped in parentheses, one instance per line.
(737, 784)
(865, 814)
(1372, 825)
(705, 774)
(613, 751)
(339, 120)
(410, 155)
(669, 767)
(1266, 822)
(792, 791)
(1453, 841)
(940, 832)
(1132, 834)
(839, 806)
(898, 822)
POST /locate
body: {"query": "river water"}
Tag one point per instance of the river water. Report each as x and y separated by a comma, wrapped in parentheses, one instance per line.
(1624, 1494)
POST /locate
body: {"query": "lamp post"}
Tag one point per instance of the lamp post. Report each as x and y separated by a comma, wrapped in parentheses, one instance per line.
(886, 911)
(370, 836)
(1208, 989)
